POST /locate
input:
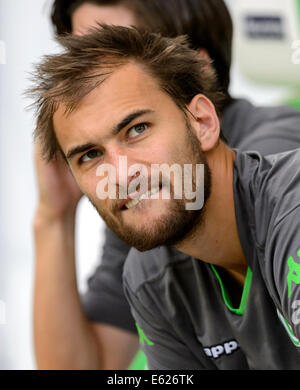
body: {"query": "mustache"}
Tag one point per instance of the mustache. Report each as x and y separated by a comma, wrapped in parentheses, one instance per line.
(135, 190)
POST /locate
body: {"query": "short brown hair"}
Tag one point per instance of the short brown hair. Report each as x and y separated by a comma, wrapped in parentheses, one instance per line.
(88, 60)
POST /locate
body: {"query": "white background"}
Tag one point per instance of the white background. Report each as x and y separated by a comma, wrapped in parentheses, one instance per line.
(27, 34)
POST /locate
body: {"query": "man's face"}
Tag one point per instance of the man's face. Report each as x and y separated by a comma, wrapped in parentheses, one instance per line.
(130, 116)
(89, 15)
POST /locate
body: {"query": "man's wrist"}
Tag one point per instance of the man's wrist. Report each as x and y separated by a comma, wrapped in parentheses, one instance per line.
(45, 217)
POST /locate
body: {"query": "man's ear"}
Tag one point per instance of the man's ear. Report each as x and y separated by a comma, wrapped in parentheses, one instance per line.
(203, 54)
(205, 121)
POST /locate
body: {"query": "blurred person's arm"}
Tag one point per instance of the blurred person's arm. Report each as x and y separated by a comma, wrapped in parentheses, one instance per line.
(64, 337)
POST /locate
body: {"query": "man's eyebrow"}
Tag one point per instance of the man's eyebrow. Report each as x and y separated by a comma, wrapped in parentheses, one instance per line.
(125, 122)
(129, 118)
(79, 149)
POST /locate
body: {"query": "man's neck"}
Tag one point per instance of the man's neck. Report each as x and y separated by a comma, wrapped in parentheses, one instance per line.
(216, 239)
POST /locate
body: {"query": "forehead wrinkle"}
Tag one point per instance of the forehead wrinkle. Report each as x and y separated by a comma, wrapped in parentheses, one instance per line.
(109, 102)
(73, 101)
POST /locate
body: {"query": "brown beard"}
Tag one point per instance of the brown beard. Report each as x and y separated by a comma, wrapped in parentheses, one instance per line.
(179, 225)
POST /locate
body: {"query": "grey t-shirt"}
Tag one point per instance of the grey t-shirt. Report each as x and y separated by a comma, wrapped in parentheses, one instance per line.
(265, 129)
(182, 306)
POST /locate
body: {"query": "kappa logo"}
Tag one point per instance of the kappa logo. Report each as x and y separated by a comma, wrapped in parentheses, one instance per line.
(227, 348)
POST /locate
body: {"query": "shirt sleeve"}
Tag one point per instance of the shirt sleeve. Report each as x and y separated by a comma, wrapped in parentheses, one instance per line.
(273, 137)
(267, 130)
(161, 345)
(104, 301)
(283, 271)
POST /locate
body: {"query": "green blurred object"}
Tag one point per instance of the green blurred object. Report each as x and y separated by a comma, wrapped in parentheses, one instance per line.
(139, 362)
(294, 103)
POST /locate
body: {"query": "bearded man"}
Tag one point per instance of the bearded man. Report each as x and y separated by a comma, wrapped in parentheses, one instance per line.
(224, 293)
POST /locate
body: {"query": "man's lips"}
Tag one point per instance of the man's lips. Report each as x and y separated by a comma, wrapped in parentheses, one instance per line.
(134, 198)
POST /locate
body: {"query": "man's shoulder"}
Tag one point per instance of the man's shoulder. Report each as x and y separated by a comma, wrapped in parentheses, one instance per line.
(253, 166)
(142, 268)
(268, 129)
(245, 109)
(272, 179)
(266, 189)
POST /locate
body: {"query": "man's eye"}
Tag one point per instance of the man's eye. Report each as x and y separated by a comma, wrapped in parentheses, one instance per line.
(90, 155)
(137, 130)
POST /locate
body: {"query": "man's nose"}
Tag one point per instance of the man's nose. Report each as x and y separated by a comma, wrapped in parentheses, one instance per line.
(120, 162)
(126, 167)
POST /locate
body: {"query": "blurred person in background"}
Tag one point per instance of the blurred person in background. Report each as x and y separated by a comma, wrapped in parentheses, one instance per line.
(213, 284)
(96, 330)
